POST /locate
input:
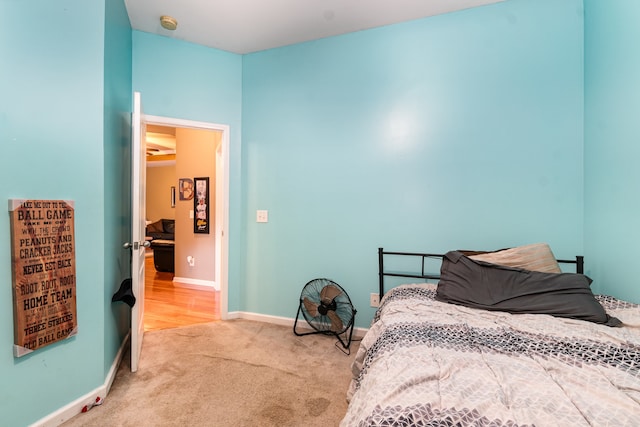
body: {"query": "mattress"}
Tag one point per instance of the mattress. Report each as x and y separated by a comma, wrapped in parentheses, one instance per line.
(429, 363)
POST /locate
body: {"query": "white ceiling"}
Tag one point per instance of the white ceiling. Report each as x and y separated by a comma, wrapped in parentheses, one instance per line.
(245, 26)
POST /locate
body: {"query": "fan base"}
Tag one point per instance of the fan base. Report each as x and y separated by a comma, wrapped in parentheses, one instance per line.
(346, 343)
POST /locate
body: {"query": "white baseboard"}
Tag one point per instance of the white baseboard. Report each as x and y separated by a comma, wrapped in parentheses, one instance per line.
(203, 285)
(283, 321)
(74, 408)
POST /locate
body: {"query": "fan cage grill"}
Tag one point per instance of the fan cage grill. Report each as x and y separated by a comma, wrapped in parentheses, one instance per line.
(333, 315)
(322, 322)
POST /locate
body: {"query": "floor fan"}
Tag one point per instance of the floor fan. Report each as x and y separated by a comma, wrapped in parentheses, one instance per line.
(327, 309)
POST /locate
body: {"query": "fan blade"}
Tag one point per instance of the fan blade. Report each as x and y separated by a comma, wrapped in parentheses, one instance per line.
(336, 322)
(311, 307)
(329, 293)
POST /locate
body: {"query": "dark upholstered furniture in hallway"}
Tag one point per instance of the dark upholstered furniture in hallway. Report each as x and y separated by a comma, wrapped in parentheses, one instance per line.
(163, 255)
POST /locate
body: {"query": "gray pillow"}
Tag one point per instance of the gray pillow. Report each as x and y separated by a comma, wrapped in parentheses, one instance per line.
(487, 286)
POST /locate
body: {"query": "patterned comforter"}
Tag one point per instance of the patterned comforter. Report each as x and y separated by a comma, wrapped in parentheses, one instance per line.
(428, 363)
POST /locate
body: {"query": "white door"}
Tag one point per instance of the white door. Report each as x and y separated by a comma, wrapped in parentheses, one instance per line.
(138, 224)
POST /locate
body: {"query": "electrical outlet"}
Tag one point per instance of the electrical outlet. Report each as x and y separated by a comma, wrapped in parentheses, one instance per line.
(262, 216)
(375, 300)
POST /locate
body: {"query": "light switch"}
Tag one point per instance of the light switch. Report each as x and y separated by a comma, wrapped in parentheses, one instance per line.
(262, 216)
(191, 214)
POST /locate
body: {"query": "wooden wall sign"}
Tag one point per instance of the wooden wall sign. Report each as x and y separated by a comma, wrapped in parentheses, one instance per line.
(44, 273)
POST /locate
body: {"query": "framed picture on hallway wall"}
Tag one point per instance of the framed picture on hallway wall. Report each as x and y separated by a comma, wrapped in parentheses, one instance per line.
(185, 186)
(201, 205)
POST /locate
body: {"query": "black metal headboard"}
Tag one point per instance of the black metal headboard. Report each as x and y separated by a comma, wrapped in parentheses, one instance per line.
(579, 262)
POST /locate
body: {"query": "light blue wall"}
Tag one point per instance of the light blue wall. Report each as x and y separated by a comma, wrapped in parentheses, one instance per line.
(183, 80)
(612, 145)
(61, 131)
(117, 164)
(458, 131)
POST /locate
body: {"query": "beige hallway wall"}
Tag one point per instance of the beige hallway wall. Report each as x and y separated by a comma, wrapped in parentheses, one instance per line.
(160, 179)
(195, 157)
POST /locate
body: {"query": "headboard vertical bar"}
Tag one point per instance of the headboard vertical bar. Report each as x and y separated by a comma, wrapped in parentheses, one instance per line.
(381, 272)
(580, 264)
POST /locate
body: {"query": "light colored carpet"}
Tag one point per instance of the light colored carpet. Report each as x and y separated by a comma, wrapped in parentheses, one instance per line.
(231, 373)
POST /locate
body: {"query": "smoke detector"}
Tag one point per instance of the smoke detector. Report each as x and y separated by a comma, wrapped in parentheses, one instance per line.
(168, 22)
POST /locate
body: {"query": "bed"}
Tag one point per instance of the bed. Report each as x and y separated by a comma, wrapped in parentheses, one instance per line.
(428, 360)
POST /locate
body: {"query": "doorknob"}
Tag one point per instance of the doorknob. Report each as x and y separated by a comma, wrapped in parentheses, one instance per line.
(135, 245)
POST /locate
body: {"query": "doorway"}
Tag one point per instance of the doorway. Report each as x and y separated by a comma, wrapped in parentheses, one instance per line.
(218, 294)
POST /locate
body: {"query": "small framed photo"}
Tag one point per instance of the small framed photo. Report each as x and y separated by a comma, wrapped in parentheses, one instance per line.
(201, 205)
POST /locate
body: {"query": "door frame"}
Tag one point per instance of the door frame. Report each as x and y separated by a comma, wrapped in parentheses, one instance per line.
(222, 210)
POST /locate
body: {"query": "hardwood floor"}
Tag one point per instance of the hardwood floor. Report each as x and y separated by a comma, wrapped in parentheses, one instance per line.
(169, 305)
